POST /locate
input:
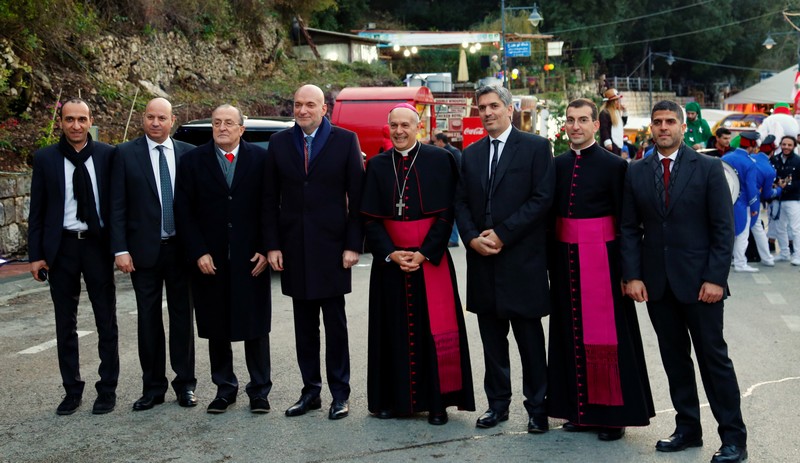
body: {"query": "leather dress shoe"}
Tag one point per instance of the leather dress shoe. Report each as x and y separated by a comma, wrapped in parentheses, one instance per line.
(490, 418)
(729, 454)
(384, 415)
(146, 402)
(259, 405)
(219, 405)
(187, 399)
(569, 426)
(678, 442)
(538, 425)
(437, 418)
(306, 403)
(339, 409)
(68, 406)
(609, 434)
(105, 403)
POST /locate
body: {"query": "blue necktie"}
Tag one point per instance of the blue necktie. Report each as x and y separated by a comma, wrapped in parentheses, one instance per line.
(309, 139)
(167, 216)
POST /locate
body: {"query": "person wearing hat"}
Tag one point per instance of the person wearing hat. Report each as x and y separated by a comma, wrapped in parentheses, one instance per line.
(418, 356)
(697, 130)
(769, 191)
(779, 123)
(767, 146)
(746, 206)
(613, 118)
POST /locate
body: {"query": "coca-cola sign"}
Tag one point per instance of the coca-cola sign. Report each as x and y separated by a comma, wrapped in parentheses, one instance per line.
(473, 130)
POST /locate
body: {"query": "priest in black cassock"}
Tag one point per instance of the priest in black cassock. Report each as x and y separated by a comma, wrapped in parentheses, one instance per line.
(597, 378)
(418, 356)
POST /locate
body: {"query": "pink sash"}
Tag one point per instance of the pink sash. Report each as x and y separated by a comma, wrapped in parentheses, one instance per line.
(440, 298)
(597, 303)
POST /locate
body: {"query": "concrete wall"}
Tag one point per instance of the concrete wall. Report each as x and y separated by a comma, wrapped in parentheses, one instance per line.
(15, 201)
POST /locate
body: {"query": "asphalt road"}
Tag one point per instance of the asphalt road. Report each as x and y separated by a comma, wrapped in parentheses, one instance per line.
(762, 329)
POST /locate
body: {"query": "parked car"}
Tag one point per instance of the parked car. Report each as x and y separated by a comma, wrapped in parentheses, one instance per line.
(258, 130)
(740, 122)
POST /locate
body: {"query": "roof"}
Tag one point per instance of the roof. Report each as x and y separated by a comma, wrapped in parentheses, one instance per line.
(418, 94)
(769, 91)
(321, 36)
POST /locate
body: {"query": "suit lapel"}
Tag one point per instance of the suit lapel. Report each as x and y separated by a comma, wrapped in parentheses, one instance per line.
(142, 155)
(657, 179)
(212, 164)
(506, 158)
(243, 163)
(482, 151)
(686, 165)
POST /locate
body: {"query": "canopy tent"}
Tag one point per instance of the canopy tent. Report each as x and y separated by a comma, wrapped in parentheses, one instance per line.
(769, 91)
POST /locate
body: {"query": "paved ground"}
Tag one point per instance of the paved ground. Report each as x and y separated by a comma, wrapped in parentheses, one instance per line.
(762, 329)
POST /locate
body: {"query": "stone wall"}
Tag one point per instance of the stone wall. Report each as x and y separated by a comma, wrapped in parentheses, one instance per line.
(159, 59)
(15, 203)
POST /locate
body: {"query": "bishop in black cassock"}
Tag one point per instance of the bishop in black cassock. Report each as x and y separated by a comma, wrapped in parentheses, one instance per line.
(418, 356)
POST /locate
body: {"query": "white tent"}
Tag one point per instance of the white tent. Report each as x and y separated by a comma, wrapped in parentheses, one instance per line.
(769, 91)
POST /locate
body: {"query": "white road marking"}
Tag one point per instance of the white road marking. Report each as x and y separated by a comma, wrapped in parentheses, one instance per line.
(792, 322)
(761, 279)
(775, 298)
(47, 345)
(747, 393)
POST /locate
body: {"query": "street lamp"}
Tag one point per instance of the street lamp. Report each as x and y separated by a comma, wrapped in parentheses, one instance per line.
(667, 57)
(535, 18)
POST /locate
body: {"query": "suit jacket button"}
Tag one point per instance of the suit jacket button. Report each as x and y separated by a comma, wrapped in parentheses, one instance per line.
(230, 225)
(230, 198)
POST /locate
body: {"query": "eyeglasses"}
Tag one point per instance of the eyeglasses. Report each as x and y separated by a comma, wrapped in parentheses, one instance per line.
(229, 123)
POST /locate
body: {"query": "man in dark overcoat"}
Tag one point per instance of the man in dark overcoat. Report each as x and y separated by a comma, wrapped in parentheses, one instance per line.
(502, 203)
(313, 182)
(218, 207)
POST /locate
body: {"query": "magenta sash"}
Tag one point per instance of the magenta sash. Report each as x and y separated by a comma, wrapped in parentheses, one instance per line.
(597, 304)
(440, 298)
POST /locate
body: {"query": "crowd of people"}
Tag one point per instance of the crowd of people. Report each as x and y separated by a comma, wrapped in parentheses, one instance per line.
(578, 237)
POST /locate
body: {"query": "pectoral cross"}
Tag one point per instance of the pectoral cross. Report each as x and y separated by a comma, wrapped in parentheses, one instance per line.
(399, 207)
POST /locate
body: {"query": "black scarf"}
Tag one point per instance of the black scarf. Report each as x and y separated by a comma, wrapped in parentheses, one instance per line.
(82, 183)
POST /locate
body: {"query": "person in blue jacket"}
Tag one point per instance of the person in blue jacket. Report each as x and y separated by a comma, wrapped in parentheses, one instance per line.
(745, 209)
(769, 191)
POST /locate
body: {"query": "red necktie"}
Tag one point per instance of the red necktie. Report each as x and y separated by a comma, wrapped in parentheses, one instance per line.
(229, 157)
(665, 162)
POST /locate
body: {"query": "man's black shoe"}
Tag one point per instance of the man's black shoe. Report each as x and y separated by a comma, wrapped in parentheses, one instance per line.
(68, 406)
(339, 409)
(146, 402)
(569, 426)
(220, 405)
(384, 415)
(307, 402)
(105, 403)
(678, 442)
(187, 399)
(538, 425)
(610, 434)
(490, 418)
(437, 418)
(259, 405)
(730, 454)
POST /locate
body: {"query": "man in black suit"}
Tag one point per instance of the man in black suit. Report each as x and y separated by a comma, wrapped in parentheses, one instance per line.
(502, 202)
(312, 192)
(144, 243)
(218, 212)
(68, 237)
(677, 242)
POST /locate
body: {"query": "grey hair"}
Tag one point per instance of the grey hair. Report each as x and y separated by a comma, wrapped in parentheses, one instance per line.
(503, 93)
(228, 106)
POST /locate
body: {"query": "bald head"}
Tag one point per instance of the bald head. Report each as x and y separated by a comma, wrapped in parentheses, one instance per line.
(309, 108)
(158, 119)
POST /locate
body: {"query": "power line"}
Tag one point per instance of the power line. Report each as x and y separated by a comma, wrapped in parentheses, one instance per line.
(682, 34)
(619, 21)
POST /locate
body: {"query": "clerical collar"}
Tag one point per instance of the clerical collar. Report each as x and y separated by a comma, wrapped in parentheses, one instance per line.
(578, 152)
(405, 153)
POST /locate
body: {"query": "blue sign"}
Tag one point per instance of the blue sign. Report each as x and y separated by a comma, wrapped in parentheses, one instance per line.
(518, 49)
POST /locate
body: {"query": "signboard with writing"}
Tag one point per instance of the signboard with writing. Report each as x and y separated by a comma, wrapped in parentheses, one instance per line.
(473, 130)
(518, 49)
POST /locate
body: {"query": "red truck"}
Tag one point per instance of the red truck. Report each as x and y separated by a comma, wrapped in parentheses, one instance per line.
(365, 110)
